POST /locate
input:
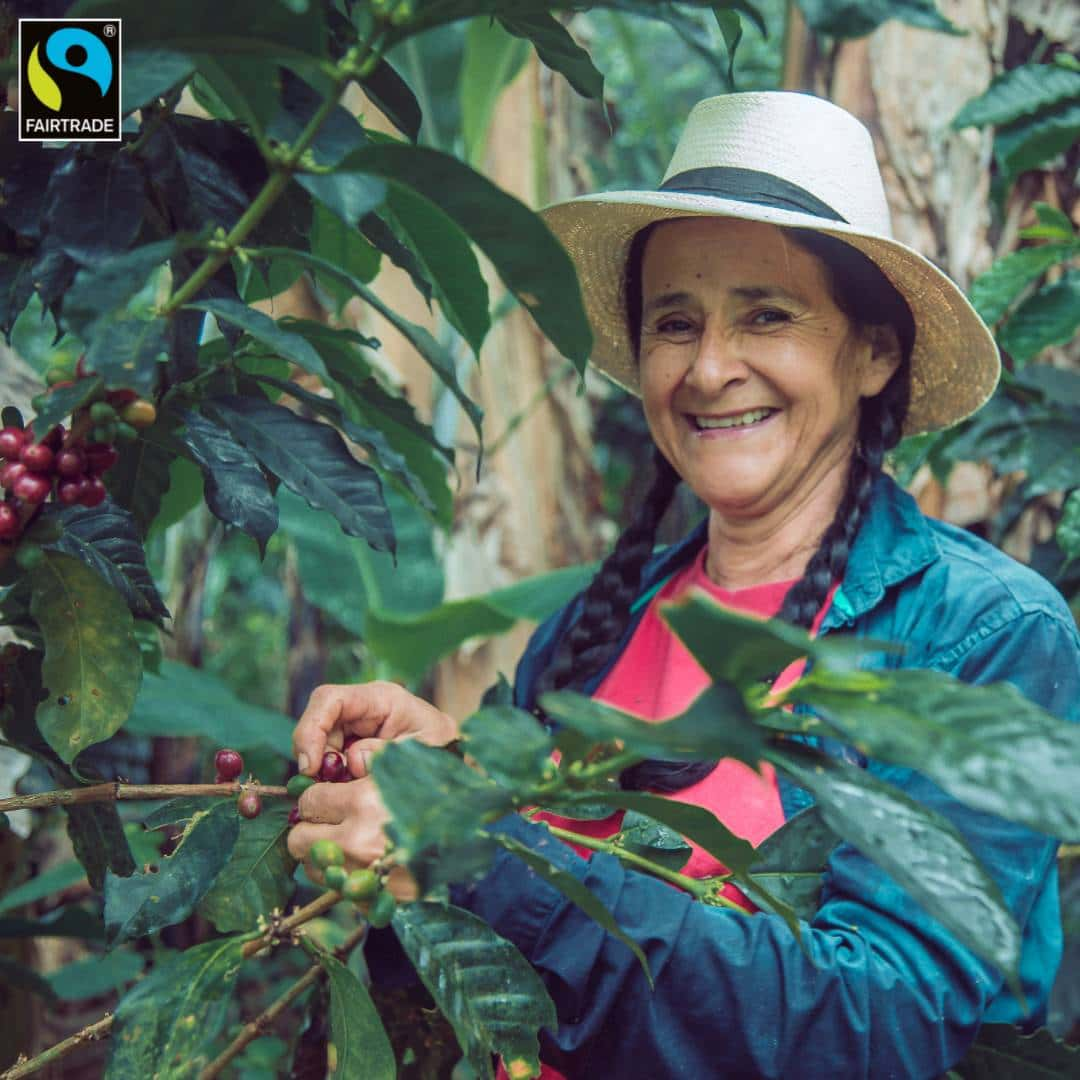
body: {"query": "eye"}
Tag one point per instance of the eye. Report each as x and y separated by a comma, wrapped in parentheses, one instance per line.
(674, 324)
(769, 317)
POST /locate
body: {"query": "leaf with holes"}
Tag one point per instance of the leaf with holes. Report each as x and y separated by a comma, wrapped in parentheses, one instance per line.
(257, 878)
(106, 539)
(92, 664)
(147, 902)
(312, 460)
(166, 1024)
(236, 489)
(488, 991)
(359, 1045)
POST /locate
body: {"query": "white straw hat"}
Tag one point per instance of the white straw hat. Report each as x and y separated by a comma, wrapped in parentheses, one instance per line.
(792, 160)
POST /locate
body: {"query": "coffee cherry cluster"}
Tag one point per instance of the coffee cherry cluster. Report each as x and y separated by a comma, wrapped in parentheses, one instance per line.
(65, 464)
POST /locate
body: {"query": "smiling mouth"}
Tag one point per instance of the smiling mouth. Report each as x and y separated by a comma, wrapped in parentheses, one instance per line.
(736, 420)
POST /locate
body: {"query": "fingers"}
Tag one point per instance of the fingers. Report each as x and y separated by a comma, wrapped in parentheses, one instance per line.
(358, 755)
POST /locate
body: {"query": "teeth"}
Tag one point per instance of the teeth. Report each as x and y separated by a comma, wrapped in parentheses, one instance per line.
(751, 417)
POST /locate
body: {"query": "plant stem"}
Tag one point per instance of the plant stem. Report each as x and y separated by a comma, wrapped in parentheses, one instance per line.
(281, 171)
(116, 791)
(252, 1030)
(96, 1030)
(695, 888)
(280, 928)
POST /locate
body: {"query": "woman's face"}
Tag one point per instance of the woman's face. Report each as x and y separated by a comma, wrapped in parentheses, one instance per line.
(751, 376)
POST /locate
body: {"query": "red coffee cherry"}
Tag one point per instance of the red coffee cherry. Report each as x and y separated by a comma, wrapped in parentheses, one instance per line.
(229, 765)
(10, 474)
(32, 488)
(12, 440)
(71, 462)
(119, 398)
(71, 491)
(93, 493)
(294, 816)
(37, 457)
(333, 770)
(10, 526)
(100, 458)
(249, 804)
(54, 438)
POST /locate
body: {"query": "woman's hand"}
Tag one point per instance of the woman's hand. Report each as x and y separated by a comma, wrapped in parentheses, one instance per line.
(352, 815)
(373, 714)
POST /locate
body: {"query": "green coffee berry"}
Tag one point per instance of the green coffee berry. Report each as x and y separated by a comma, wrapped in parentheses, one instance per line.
(326, 853)
(335, 877)
(361, 885)
(101, 412)
(298, 784)
(382, 910)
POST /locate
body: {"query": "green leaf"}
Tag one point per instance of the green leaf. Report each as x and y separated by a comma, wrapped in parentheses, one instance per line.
(440, 359)
(577, 893)
(730, 24)
(790, 862)
(183, 702)
(510, 744)
(490, 63)
(1017, 93)
(448, 261)
(147, 902)
(103, 290)
(689, 821)
(1048, 317)
(70, 921)
(1068, 529)
(92, 663)
(98, 840)
(1030, 142)
(106, 539)
(643, 836)
(14, 974)
(994, 292)
(349, 195)
(16, 288)
(857, 18)
(413, 643)
(96, 975)
(457, 799)
(380, 453)
(1054, 224)
(312, 460)
(989, 746)
(488, 991)
(44, 884)
(526, 255)
(243, 84)
(346, 248)
(921, 850)
(149, 74)
(1004, 1052)
(264, 330)
(141, 477)
(359, 1045)
(559, 51)
(129, 353)
(64, 400)
(258, 876)
(716, 725)
(395, 99)
(236, 489)
(167, 1023)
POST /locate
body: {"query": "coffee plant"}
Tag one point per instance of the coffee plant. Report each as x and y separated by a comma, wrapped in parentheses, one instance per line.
(144, 259)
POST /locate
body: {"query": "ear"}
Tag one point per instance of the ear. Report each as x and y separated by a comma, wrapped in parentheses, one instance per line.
(879, 358)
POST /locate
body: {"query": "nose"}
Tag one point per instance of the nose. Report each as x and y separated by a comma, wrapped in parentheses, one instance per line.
(720, 360)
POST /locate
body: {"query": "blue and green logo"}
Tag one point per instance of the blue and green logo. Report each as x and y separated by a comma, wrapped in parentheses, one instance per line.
(69, 79)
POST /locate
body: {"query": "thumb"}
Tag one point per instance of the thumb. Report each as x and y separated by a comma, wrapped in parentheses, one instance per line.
(358, 755)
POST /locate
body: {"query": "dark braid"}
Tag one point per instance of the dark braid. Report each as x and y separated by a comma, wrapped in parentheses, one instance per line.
(868, 299)
(607, 601)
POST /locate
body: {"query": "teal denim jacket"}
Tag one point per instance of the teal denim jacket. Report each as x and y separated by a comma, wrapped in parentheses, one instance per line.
(881, 990)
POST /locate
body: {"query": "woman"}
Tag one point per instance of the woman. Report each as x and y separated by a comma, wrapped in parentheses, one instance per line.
(781, 343)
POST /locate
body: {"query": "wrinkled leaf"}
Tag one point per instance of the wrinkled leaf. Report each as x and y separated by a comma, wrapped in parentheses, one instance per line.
(257, 878)
(359, 1045)
(236, 490)
(488, 991)
(857, 18)
(167, 1023)
(106, 539)
(992, 293)
(1021, 91)
(312, 460)
(146, 902)
(1030, 142)
(920, 849)
(1049, 317)
(92, 664)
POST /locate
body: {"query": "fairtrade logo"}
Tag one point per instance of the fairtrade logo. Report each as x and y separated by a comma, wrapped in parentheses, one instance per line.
(69, 49)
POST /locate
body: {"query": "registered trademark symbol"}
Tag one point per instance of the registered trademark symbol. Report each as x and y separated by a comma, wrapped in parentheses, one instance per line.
(109, 30)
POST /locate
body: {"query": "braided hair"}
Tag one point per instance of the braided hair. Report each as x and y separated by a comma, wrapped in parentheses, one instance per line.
(863, 293)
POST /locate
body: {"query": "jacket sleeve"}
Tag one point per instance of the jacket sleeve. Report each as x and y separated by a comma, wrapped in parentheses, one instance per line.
(881, 990)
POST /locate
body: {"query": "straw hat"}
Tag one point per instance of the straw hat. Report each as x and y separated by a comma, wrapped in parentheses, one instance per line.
(790, 160)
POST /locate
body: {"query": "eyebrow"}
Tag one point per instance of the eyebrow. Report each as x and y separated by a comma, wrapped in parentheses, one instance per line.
(749, 293)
